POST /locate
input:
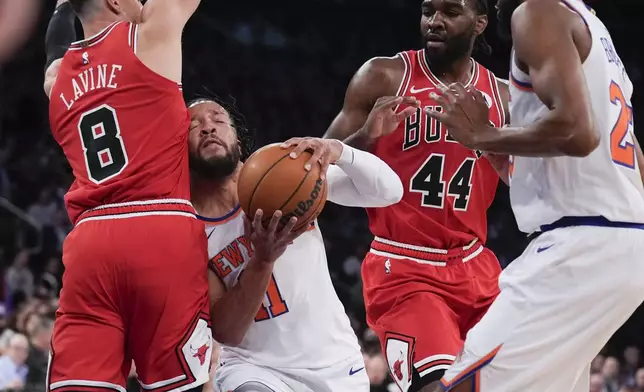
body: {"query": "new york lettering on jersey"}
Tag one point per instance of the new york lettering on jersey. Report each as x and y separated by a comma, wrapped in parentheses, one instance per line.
(229, 261)
(447, 186)
(300, 301)
(104, 111)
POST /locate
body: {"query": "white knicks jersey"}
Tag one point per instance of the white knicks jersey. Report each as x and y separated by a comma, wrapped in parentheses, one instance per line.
(301, 323)
(605, 183)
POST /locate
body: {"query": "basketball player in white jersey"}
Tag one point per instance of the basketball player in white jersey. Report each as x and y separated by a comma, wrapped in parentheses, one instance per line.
(280, 323)
(575, 183)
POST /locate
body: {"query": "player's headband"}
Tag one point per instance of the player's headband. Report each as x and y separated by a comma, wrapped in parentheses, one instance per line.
(199, 102)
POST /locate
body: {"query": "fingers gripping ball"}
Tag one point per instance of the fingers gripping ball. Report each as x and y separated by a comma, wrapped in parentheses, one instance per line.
(270, 180)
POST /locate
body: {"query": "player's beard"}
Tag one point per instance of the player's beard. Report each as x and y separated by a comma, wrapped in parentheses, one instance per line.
(455, 48)
(504, 17)
(215, 168)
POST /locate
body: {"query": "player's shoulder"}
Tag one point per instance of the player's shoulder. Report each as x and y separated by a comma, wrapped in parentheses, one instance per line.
(545, 11)
(379, 67)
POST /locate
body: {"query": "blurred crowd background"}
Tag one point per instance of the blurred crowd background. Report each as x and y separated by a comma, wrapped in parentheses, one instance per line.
(285, 66)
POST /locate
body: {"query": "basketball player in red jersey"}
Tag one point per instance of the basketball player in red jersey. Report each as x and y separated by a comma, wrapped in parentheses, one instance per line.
(135, 283)
(428, 277)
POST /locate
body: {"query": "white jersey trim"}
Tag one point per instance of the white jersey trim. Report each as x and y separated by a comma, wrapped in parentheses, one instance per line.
(86, 43)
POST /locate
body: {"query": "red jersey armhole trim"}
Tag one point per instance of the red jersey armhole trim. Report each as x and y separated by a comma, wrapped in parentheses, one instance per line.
(497, 97)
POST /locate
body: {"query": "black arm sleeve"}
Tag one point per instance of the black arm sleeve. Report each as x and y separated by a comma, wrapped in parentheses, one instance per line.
(60, 33)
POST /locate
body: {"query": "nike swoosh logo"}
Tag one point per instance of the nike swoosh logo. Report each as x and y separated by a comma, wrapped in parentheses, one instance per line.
(352, 372)
(544, 248)
(414, 90)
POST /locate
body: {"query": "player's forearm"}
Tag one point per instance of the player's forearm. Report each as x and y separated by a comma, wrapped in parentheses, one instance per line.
(360, 140)
(554, 135)
(363, 181)
(234, 312)
(16, 20)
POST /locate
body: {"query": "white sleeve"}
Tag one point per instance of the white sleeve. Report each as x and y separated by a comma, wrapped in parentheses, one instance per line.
(361, 179)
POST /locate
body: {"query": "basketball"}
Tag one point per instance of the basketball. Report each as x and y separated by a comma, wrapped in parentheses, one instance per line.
(270, 180)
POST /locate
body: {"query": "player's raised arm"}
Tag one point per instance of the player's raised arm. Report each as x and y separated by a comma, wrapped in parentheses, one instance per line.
(159, 35)
(546, 44)
(378, 77)
(355, 178)
(16, 21)
(60, 34)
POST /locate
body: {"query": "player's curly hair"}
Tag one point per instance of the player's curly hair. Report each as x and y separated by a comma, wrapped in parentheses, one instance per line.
(245, 136)
(480, 43)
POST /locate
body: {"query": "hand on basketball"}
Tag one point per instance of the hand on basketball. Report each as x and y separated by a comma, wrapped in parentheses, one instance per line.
(270, 242)
(383, 120)
(324, 151)
(464, 112)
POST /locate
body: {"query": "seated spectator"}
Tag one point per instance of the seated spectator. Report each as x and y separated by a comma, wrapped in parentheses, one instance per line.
(639, 380)
(13, 371)
(610, 372)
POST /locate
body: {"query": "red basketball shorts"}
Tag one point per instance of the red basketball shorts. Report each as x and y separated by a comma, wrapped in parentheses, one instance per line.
(134, 288)
(422, 302)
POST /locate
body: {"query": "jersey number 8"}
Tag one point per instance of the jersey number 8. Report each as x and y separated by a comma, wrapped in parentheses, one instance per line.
(100, 134)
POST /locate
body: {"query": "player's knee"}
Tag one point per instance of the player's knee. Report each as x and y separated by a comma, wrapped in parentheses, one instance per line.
(253, 386)
(465, 386)
(427, 383)
(434, 386)
(195, 389)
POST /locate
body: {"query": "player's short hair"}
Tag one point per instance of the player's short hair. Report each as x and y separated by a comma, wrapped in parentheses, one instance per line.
(245, 136)
(80, 7)
(480, 43)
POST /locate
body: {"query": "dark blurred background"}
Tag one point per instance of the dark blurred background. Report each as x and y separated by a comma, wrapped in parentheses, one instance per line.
(285, 65)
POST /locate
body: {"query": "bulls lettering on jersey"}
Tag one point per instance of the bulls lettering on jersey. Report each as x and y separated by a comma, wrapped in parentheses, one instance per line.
(448, 187)
(122, 127)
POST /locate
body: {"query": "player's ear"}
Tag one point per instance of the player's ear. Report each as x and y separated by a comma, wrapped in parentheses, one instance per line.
(481, 24)
(114, 6)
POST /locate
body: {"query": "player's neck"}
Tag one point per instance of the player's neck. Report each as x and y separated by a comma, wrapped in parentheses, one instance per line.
(213, 199)
(97, 24)
(459, 70)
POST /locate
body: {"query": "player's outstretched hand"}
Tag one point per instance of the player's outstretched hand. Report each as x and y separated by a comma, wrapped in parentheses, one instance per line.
(383, 120)
(325, 151)
(270, 242)
(464, 112)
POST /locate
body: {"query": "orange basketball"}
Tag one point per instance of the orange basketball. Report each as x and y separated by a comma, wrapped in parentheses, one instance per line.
(270, 180)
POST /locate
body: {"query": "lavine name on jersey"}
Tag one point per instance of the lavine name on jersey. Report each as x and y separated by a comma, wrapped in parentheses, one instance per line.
(94, 78)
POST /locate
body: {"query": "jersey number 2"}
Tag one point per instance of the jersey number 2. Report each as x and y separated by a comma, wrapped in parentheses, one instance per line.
(277, 305)
(428, 181)
(100, 134)
(622, 152)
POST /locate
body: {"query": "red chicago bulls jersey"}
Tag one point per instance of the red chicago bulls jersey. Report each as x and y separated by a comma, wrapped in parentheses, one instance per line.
(448, 187)
(122, 127)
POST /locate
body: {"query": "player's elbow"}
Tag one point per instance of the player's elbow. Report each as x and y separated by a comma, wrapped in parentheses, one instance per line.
(392, 189)
(227, 336)
(582, 136)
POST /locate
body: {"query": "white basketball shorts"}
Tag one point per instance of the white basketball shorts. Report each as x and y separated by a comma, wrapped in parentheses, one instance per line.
(348, 375)
(560, 302)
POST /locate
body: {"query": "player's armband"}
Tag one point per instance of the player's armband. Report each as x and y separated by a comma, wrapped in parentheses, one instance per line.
(60, 33)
